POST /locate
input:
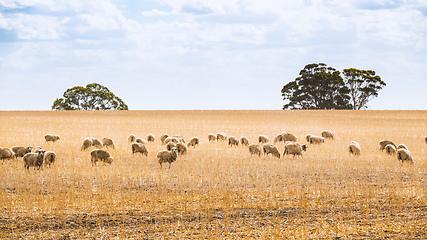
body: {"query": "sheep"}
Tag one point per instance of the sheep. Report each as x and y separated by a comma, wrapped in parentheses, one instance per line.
(170, 145)
(255, 149)
(270, 148)
(233, 141)
(354, 148)
(211, 137)
(221, 136)
(96, 143)
(87, 143)
(139, 148)
(390, 149)
(169, 139)
(38, 149)
(33, 160)
(179, 137)
(163, 137)
(263, 139)
(294, 148)
(141, 140)
(182, 148)
(278, 138)
(288, 137)
(402, 146)
(307, 137)
(328, 134)
(49, 158)
(167, 156)
(100, 155)
(316, 139)
(108, 142)
(151, 138)
(193, 142)
(131, 138)
(21, 151)
(384, 143)
(244, 141)
(51, 137)
(6, 153)
(404, 155)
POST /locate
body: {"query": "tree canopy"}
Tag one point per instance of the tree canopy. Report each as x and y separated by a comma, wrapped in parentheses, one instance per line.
(92, 97)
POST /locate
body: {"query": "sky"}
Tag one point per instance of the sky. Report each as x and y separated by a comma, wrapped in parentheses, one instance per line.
(210, 54)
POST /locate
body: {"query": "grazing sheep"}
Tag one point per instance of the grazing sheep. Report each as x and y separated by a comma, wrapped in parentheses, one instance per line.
(6, 153)
(21, 151)
(87, 143)
(108, 142)
(404, 155)
(139, 148)
(211, 137)
(221, 136)
(294, 149)
(288, 137)
(193, 142)
(328, 134)
(270, 148)
(131, 138)
(141, 140)
(390, 149)
(38, 149)
(316, 139)
(255, 149)
(100, 155)
(169, 139)
(170, 145)
(49, 158)
(182, 148)
(33, 160)
(163, 137)
(233, 141)
(402, 146)
(151, 138)
(179, 137)
(167, 156)
(96, 143)
(278, 138)
(384, 143)
(244, 141)
(307, 137)
(263, 139)
(354, 148)
(51, 137)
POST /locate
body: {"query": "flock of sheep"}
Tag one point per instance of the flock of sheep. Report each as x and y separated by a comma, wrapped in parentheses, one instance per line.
(175, 146)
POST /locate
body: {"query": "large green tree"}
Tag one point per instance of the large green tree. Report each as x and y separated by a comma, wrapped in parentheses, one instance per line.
(363, 86)
(92, 97)
(317, 87)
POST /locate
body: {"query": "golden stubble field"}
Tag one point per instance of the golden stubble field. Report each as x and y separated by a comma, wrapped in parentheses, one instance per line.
(216, 191)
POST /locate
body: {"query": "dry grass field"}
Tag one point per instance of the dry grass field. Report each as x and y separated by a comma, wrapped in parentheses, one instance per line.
(216, 191)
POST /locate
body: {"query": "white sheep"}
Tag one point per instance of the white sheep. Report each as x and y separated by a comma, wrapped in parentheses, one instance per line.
(170, 145)
(278, 138)
(294, 149)
(38, 149)
(402, 146)
(182, 148)
(390, 149)
(108, 142)
(263, 139)
(34, 160)
(222, 136)
(150, 138)
(270, 148)
(384, 143)
(139, 148)
(404, 155)
(354, 148)
(163, 137)
(193, 142)
(169, 139)
(131, 138)
(316, 139)
(179, 137)
(328, 134)
(51, 137)
(244, 141)
(6, 153)
(233, 141)
(307, 137)
(211, 137)
(288, 137)
(21, 151)
(141, 140)
(49, 158)
(255, 149)
(87, 143)
(166, 156)
(100, 155)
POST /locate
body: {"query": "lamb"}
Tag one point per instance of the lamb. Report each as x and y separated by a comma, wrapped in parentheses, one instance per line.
(404, 155)
(151, 138)
(6, 153)
(328, 134)
(384, 143)
(169, 139)
(193, 142)
(87, 143)
(170, 145)
(288, 137)
(21, 151)
(278, 138)
(316, 139)
(163, 137)
(96, 143)
(141, 140)
(33, 160)
(233, 141)
(139, 148)
(51, 137)
(244, 141)
(182, 148)
(211, 137)
(263, 139)
(100, 155)
(255, 149)
(167, 156)
(402, 146)
(221, 136)
(294, 149)
(354, 148)
(390, 149)
(49, 158)
(107, 142)
(270, 148)
(131, 138)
